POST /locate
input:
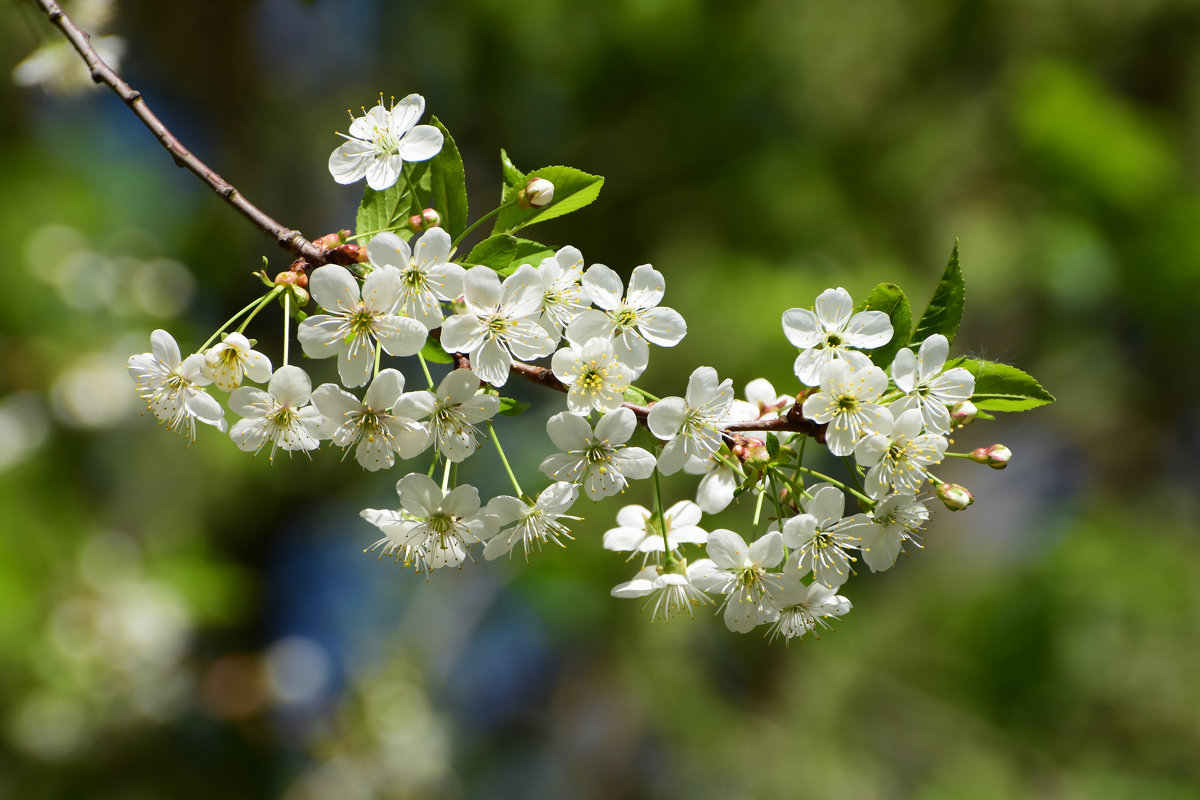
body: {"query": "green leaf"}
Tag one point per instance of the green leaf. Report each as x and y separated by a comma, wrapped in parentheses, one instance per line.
(632, 395)
(531, 252)
(573, 189)
(510, 407)
(434, 353)
(999, 387)
(513, 177)
(945, 309)
(378, 210)
(888, 298)
(496, 252)
(772, 445)
(448, 182)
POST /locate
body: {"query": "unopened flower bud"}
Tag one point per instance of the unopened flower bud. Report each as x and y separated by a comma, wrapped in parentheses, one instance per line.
(954, 496)
(429, 218)
(292, 278)
(756, 454)
(332, 240)
(997, 456)
(538, 193)
(300, 295)
(963, 413)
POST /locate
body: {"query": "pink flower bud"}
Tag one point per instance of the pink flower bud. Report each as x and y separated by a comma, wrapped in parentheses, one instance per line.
(538, 193)
(429, 218)
(954, 496)
(963, 413)
(996, 456)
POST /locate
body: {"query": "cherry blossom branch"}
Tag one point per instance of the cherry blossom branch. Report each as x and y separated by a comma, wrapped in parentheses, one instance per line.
(289, 239)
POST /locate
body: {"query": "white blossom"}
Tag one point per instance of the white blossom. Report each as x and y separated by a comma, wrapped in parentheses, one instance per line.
(370, 424)
(739, 571)
(629, 321)
(846, 403)
(497, 324)
(563, 296)
(440, 526)
(821, 537)
(803, 607)
(638, 529)
(597, 380)
(926, 387)
(898, 454)
(691, 423)
(826, 335)
(453, 412)
(894, 521)
(281, 415)
(171, 386)
(354, 322)
(409, 555)
(668, 593)
(536, 523)
(427, 276)
(381, 140)
(226, 363)
(598, 459)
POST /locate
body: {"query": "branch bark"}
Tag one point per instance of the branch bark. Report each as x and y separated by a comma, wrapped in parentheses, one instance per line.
(289, 239)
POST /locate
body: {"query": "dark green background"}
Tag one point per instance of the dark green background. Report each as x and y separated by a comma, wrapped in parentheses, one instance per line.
(1043, 644)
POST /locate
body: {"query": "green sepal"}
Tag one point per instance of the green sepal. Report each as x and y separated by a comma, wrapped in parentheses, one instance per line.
(496, 251)
(944, 312)
(511, 408)
(573, 189)
(890, 299)
(1000, 387)
(448, 184)
(434, 353)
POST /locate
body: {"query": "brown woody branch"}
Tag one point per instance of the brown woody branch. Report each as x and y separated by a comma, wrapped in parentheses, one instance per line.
(287, 238)
(316, 254)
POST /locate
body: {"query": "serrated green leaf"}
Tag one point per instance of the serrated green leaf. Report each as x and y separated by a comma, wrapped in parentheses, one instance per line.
(890, 299)
(496, 252)
(513, 177)
(1000, 387)
(511, 408)
(772, 445)
(434, 353)
(945, 309)
(573, 189)
(448, 184)
(378, 210)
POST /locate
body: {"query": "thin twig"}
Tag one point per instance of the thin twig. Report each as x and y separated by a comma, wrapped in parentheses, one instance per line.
(290, 240)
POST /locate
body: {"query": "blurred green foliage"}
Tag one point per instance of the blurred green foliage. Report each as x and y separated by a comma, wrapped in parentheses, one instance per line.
(1043, 644)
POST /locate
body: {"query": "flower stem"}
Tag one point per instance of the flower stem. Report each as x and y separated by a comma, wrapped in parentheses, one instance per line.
(287, 324)
(234, 319)
(504, 459)
(758, 504)
(644, 393)
(446, 477)
(425, 369)
(662, 519)
(822, 476)
(378, 355)
(476, 224)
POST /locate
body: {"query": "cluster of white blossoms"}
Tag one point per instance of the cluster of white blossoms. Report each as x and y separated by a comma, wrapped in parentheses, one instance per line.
(409, 293)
